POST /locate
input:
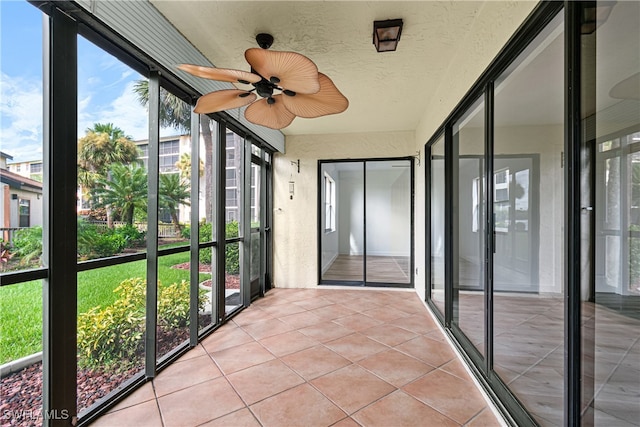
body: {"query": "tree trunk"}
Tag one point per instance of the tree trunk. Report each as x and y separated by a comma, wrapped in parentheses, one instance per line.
(129, 214)
(176, 223)
(208, 166)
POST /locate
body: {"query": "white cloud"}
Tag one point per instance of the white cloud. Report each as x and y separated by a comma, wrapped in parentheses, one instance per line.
(124, 112)
(21, 117)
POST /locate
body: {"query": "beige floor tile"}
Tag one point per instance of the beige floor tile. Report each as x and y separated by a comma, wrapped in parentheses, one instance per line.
(433, 352)
(389, 334)
(357, 322)
(326, 331)
(399, 410)
(315, 361)
(198, 404)
(386, 314)
(457, 399)
(352, 387)
(346, 422)
(241, 418)
(300, 406)
(301, 320)
(355, 346)
(287, 343)
(143, 394)
(332, 312)
(196, 351)
(241, 357)
(184, 374)
(225, 338)
(420, 323)
(251, 315)
(395, 368)
(486, 418)
(140, 415)
(265, 380)
(267, 328)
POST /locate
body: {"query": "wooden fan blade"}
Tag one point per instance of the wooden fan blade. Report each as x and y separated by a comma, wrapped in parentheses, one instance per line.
(220, 74)
(223, 100)
(327, 101)
(293, 71)
(274, 116)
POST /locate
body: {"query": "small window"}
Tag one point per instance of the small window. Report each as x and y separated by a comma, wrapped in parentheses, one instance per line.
(36, 168)
(25, 213)
(329, 203)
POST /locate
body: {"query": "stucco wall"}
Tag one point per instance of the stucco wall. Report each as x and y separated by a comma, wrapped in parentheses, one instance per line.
(295, 227)
(295, 221)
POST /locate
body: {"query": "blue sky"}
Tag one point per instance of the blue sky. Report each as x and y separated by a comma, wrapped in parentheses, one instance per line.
(105, 84)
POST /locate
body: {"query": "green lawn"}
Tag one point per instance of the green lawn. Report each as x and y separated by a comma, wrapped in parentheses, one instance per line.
(21, 304)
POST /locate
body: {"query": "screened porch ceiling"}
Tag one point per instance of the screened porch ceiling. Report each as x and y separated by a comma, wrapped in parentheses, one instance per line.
(389, 91)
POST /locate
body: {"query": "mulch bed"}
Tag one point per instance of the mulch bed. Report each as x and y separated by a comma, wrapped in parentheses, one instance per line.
(21, 392)
(231, 281)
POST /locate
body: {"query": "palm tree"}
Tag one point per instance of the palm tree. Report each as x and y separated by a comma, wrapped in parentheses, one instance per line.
(176, 113)
(184, 166)
(125, 191)
(174, 191)
(102, 146)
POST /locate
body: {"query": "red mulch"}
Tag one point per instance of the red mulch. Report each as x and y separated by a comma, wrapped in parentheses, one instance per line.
(21, 392)
(231, 281)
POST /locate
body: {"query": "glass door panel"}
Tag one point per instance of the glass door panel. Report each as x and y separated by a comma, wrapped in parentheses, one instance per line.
(469, 225)
(528, 205)
(516, 223)
(342, 222)
(437, 215)
(234, 150)
(256, 226)
(388, 221)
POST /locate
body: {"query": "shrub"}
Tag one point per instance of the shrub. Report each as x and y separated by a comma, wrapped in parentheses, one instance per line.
(94, 242)
(232, 252)
(131, 235)
(173, 304)
(114, 334)
(27, 244)
(205, 235)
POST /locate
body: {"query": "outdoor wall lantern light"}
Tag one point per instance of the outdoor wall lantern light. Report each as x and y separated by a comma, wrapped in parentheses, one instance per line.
(386, 34)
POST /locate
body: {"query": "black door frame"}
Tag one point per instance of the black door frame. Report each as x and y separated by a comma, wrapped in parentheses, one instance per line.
(320, 227)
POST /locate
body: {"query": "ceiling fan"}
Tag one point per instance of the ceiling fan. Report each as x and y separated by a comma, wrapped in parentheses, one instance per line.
(286, 85)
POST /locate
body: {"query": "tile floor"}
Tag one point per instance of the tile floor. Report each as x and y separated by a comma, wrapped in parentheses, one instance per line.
(315, 357)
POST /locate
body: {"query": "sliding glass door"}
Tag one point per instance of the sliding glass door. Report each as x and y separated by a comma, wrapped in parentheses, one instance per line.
(365, 222)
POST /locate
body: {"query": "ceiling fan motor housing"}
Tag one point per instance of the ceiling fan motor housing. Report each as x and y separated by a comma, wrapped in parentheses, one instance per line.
(264, 40)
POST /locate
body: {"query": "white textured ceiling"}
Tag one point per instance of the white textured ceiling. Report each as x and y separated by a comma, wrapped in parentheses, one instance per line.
(387, 91)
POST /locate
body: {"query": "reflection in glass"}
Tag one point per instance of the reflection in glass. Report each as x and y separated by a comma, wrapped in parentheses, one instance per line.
(437, 223)
(611, 303)
(469, 224)
(528, 217)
